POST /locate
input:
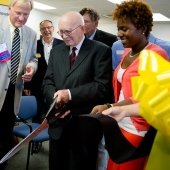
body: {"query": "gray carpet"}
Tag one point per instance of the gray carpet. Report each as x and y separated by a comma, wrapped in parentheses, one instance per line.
(38, 161)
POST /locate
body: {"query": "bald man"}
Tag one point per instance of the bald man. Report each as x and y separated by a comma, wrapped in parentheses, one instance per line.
(80, 86)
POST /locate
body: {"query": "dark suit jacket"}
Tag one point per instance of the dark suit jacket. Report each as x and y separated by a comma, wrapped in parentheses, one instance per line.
(36, 82)
(89, 80)
(105, 37)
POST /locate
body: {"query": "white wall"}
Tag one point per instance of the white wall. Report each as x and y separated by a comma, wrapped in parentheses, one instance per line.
(37, 16)
(160, 30)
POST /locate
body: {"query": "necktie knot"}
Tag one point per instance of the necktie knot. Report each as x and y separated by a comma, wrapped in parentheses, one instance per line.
(73, 56)
(16, 31)
(74, 49)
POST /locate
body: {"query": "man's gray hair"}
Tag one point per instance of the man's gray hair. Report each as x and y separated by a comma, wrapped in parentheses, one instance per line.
(13, 2)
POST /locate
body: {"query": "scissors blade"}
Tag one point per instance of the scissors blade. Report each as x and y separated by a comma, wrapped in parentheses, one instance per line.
(51, 107)
(27, 139)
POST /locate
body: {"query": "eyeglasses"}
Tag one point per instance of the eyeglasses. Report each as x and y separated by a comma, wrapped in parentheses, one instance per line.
(67, 32)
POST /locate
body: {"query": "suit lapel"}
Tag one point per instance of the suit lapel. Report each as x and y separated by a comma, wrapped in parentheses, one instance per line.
(40, 49)
(24, 43)
(54, 42)
(83, 53)
(64, 56)
(98, 36)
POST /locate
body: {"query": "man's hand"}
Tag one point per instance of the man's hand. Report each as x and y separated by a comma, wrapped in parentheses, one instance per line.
(29, 72)
(62, 97)
(98, 109)
(27, 92)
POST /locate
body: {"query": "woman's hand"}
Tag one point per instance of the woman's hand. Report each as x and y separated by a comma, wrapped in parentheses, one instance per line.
(119, 112)
(116, 113)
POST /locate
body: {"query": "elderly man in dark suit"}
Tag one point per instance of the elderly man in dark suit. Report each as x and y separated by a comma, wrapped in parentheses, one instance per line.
(91, 20)
(80, 86)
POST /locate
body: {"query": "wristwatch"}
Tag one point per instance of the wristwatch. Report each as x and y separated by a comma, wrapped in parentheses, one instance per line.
(109, 105)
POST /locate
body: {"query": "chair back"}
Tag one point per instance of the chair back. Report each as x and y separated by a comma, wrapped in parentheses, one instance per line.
(28, 107)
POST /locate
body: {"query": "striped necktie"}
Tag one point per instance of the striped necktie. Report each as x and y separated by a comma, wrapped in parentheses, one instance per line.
(15, 54)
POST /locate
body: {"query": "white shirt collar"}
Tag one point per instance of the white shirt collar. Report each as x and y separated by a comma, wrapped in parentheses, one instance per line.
(92, 36)
(78, 46)
(50, 44)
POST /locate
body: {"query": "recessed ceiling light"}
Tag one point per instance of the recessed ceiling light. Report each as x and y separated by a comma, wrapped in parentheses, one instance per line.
(116, 1)
(156, 16)
(160, 17)
(41, 6)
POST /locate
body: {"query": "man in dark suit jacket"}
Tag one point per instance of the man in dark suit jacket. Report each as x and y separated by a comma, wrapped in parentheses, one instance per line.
(80, 87)
(91, 20)
(44, 46)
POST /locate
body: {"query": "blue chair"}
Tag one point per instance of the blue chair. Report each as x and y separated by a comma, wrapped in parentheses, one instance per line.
(28, 109)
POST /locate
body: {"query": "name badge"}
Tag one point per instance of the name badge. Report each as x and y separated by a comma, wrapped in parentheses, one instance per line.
(4, 53)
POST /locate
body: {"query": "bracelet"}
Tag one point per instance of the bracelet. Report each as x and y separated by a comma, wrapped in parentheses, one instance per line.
(109, 105)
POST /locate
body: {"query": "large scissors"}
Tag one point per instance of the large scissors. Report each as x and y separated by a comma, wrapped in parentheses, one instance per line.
(59, 112)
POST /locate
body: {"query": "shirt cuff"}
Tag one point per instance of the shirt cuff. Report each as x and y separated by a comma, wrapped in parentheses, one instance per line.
(69, 94)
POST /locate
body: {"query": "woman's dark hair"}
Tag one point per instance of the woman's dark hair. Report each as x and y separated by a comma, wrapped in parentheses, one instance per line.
(138, 12)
